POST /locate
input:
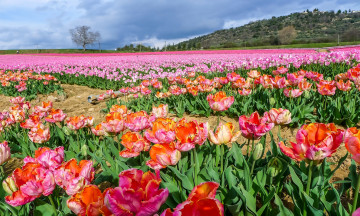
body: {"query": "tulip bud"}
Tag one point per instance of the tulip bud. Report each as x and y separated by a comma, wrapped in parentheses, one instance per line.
(328, 79)
(84, 150)
(9, 185)
(66, 131)
(272, 101)
(257, 151)
(307, 94)
(274, 167)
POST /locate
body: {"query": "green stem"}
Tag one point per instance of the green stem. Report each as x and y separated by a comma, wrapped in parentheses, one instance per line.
(2, 173)
(196, 167)
(356, 192)
(252, 168)
(247, 149)
(308, 186)
(53, 204)
(252, 149)
(222, 158)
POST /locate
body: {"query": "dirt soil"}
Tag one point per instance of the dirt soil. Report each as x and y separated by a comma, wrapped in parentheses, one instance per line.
(75, 103)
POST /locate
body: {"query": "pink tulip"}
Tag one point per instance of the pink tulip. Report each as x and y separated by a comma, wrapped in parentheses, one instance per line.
(254, 127)
(314, 141)
(5, 153)
(39, 134)
(278, 116)
(45, 107)
(138, 194)
(292, 93)
(326, 87)
(46, 157)
(30, 182)
(162, 131)
(137, 121)
(72, 177)
(114, 124)
(161, 111)
(244, 92)
(219, 101)
(17, 100)
(31, 122)
(55, 115)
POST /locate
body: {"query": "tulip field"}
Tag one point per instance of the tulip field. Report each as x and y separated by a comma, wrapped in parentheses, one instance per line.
(182, 133)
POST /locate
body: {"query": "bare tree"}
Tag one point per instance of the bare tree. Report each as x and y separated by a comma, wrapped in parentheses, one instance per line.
(287, 34)
(83, 37)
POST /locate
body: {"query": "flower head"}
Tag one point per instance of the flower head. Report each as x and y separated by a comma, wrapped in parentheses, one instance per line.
(219, 101)
(254, 127)
(314, 141)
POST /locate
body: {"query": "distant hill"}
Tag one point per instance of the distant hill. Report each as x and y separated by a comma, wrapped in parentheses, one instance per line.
(310, 26)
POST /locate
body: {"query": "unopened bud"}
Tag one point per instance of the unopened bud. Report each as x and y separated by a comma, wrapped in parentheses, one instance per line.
(84, 150)
(307, 94)
(272, 101)
(328, 79)
(257, 151)
(66, 131)
(274, 167)
(9, 185)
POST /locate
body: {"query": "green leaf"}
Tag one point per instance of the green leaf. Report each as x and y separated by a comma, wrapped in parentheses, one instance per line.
(296, 179)
(283, 211)
(250, 200)
(44, 209)
(186, 183)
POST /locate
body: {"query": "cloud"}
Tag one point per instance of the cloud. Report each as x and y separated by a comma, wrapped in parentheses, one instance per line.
(47, 22)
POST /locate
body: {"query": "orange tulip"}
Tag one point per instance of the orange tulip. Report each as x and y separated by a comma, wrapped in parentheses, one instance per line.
(163, 155)
(88, 202)
(134, 144)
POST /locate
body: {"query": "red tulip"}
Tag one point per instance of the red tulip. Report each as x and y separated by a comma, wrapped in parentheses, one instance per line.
(254, 127)
(189, 134)
(201, 201)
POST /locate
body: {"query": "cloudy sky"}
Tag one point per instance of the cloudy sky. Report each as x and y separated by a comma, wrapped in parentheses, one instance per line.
(31, 24)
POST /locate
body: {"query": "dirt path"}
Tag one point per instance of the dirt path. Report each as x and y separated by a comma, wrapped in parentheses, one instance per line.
(76, 103)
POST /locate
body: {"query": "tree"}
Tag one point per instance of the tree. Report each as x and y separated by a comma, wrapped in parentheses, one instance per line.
(287, 34)
(83, 37)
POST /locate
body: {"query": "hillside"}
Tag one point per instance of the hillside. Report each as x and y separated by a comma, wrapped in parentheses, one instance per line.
(310, 26)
